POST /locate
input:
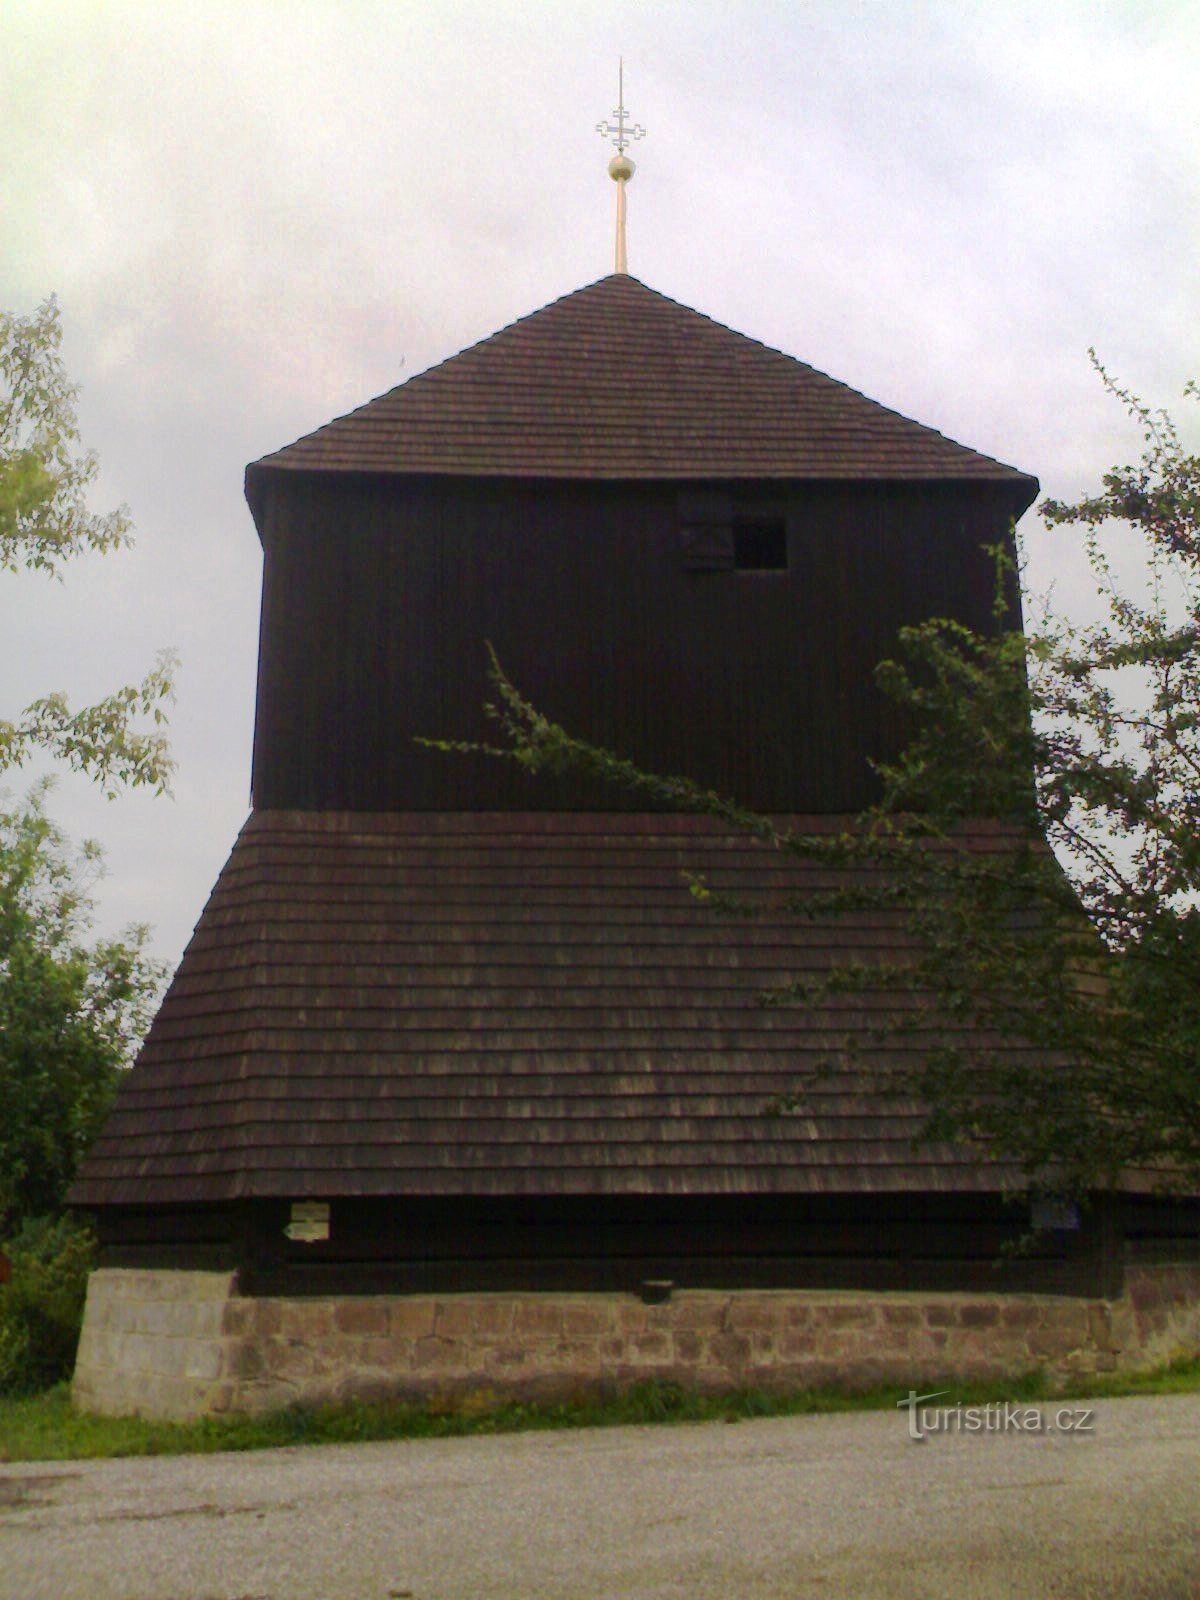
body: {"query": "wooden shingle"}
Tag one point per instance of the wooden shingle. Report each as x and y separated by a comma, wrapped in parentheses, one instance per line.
(617, 381)
(507, 1004)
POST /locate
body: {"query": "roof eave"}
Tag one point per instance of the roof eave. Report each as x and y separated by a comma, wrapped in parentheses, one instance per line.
(1020, 489)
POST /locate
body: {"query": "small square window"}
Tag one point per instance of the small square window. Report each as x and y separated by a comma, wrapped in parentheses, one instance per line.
(760, 545)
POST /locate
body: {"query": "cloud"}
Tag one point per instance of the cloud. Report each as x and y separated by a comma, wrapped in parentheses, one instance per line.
(258, 215)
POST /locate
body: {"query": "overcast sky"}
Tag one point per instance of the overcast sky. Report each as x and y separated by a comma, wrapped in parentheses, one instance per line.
(258, 215)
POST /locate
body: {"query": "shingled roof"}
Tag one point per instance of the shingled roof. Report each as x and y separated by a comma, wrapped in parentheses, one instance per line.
(425, 1004)
(616, 381)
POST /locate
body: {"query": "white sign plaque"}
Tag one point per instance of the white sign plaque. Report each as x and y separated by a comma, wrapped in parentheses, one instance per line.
(310, 1221)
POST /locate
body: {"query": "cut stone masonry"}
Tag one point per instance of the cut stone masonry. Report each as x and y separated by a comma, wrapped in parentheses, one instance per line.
(174, 1344)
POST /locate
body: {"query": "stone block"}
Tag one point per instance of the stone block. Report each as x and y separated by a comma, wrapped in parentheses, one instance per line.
(654, 1345)
(965, 1343)
(173, 1285)
(96, 1349)
(171, 1356)
(578, 1357)
(400, 1358)
(1020, 1313)
(797, 1342)
(895, 1341)
(755, 1312)
(267, 1317)
(98, 1310)
(134, 1352)
(124, 1318)
(533, 1317)
(197, 1319)
(203, 1359)
(386, 1353)
(587, 1317)
(688, 1347)
(168, 1286)
(220, 1397)
(133, 1316)
(698, 1311)
(172, 1398)
(360, 1316)
(662, 1316)
(494, 1315)
(290, 1360)
(979, 1314)
(433, 1353)
(329, 1355)
(245, 1362)
(237, 1317)
(1051, 1343)
(413, 1317)
(941, 1314)
(1069, 1311)
(631, 1316)
(729, 1350)
(305, 1319)
(508, 1355)
(164, 1319)
(899, 1314)
(846, 1315)
(1100, 1325)
(128, 1283)
(456, 1317)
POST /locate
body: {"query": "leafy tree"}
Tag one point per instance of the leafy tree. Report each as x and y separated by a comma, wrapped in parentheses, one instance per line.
(44, 522)
(1073, 925)
(41, 1306)
(71, 1011)
(1040, 840)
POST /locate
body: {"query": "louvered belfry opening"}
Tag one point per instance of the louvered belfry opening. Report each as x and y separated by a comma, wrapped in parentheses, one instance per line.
(478, 1015)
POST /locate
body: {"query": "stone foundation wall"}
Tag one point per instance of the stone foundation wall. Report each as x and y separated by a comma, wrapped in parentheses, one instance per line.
(182, 1344)
(154, 1344)
(1158, 1317)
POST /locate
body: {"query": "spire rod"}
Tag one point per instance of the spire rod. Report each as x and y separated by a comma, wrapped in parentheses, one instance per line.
(621, 168)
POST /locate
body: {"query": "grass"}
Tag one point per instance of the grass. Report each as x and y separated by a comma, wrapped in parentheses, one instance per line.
(46, 1427)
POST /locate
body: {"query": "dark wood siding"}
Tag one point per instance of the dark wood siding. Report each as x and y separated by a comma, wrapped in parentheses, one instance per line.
(380, 594)
(915, 1241)
(1162, 1229)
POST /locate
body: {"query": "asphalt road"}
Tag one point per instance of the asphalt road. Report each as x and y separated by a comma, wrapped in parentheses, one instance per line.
(822, 1506)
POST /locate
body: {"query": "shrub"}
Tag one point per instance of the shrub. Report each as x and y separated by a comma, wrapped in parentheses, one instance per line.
(41, 1306)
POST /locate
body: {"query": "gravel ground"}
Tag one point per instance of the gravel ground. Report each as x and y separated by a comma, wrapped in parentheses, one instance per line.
(825, 1506)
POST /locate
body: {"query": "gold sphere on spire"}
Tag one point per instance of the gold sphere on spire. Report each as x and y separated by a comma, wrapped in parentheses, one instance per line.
(621, 168)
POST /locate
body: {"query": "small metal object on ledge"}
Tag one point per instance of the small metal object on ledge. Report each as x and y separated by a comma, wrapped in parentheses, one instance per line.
(656, 1291)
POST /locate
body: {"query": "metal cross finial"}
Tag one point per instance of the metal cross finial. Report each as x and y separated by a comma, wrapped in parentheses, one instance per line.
(621, 135)
(621, 167)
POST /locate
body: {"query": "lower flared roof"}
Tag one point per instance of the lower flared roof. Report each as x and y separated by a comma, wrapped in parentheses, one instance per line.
(510, 1004)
